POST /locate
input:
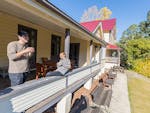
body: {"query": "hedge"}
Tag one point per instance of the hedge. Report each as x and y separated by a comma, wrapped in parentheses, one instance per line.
(142, 66)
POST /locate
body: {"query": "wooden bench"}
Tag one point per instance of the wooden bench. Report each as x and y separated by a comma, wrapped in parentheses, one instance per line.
(118, 68)
(107, 78)
(85, 92)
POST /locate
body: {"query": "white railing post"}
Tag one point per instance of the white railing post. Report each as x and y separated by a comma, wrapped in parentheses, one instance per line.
(91, 51)
(67, 42)
(64, 105)
(88, 84)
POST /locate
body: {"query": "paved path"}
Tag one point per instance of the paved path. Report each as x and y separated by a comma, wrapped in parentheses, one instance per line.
(136, 75)
(120, 101)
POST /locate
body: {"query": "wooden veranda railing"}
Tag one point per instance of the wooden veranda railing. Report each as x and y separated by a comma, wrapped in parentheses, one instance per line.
(38, 95)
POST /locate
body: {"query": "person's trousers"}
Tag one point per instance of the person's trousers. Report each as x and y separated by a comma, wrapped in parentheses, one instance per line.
(17, 78)
(54, 73)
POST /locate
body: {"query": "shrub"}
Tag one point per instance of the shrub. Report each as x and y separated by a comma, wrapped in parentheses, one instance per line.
(142, 66)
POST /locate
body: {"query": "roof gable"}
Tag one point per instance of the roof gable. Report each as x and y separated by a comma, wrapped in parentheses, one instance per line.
(106, 24)
(91, 26)
(111, 46)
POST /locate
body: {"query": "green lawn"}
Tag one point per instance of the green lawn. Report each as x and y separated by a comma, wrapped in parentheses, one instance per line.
(139, 92)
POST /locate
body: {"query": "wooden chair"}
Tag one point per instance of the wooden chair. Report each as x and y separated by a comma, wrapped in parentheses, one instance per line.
(44, 59)
(50, 65)
(40, 70)
(72, 64)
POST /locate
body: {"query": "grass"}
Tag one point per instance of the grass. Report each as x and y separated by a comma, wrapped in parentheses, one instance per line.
(139, 94)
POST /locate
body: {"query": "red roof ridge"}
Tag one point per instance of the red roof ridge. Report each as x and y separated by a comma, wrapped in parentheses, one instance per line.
(112, 46)
(106, 24)
(98, 20)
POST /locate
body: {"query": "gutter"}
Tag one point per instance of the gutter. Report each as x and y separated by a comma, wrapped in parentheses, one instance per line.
(49, 5)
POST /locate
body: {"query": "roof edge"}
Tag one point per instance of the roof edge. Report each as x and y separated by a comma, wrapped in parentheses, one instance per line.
(48, 5)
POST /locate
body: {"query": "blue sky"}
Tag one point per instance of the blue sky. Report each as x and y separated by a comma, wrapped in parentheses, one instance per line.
(127, 12)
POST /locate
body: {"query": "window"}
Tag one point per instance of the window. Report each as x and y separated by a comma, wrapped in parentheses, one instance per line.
(55, 47)
(32, 43)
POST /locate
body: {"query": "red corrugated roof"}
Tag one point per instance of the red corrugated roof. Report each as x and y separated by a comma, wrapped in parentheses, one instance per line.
(106, 24)
(110, 46)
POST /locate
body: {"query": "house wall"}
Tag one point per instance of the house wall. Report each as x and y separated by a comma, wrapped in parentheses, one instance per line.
(103, 53)
(96, 53)
(8, 33)
(113, 35)
(110, 37)
(106, 37)
(83, 50)
(111, 53)
(88, 52)
(108, 53)
(99, 32)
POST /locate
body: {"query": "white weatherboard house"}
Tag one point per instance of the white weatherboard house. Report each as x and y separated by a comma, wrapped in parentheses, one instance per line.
(52, 31)
(106, 30)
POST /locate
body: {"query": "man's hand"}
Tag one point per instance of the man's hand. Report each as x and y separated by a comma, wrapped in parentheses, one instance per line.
(29, 50)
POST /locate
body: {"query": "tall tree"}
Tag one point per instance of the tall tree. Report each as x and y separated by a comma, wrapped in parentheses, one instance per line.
(93, 13)
(145, 26)
(105, 13)
(132, 32)
(148, 16)
(135, 42)
(137, 49)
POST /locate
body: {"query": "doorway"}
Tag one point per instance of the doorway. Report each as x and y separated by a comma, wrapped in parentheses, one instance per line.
(74, 54)
(55, 47)
(32, 43)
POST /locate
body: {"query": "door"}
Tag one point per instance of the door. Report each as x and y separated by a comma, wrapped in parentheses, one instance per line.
(74, 54)
(32, 43)
(55, 47)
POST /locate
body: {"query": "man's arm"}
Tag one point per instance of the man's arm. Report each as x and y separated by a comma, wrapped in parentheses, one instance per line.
(23, 52)
(67, 64)
(30, 53)
(13, 55)
(59, 64)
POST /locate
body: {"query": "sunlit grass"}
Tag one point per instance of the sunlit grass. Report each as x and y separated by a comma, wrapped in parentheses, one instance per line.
(139, 92)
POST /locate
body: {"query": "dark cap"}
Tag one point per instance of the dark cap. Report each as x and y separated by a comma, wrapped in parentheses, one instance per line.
(23, 33)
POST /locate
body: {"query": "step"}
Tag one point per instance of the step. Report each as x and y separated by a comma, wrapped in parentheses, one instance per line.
(107, 100)
(97, 92)
(109, 81)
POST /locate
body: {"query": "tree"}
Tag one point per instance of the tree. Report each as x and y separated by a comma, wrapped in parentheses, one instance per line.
(145, 26)
(131, 33)
(148, 16)
(105, 13)
(93, 13)
(135, 43)
(137, 49)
